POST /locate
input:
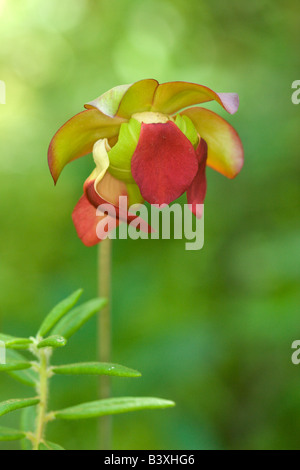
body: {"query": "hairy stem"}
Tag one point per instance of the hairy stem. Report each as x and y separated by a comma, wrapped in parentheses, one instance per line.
(104, 335)
(42, 389)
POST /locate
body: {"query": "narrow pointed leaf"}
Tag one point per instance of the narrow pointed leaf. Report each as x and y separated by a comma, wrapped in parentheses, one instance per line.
(78, 317)
(7, 434)
(55, 341)
(16, 404)
(95, 368)
(47, 445)
(27, 377)
(11, 342)
(58, 312)
(112, 406)
(14, 366)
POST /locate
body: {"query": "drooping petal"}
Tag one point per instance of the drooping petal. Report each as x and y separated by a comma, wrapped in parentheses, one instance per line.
(138, 98)
(164, 163)
(108, 191)
(86, 221)
(100, 155)
(197, 190)
(225, 150)
(170, 97)
(109, 102)
(77, 137)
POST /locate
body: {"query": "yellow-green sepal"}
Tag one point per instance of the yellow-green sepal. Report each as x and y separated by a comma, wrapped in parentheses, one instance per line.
(188, 129)
(134, 194)
(121, 153)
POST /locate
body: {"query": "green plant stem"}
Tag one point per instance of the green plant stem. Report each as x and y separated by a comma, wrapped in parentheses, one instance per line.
(42, 390)
(104, 336)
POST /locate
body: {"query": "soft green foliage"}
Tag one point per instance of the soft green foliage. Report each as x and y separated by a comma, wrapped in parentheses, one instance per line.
(75, 319)
(58, 312)
(38, 372)
(16, 404)
(211, 329)
(15, 343)
(46, 445)
(111, 406)
(14, 366)
(27, 377)
(54, 341)
(95, 368)
(7, 434)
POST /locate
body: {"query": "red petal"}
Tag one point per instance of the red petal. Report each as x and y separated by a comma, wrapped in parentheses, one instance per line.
(164, 163)
(197, 191)
(86, 221)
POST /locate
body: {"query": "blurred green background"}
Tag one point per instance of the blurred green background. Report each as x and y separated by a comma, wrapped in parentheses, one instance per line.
(210, 329)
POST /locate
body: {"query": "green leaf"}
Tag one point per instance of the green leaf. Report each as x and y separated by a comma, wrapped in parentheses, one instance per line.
(27, 424)
(11, 342)
(16, 404)
(27, 377)
(47, 445)
(7, 434)
(95, 368)
(112, 406)
(14, 366)
(55, 341)
(78, 317)
(58, 312)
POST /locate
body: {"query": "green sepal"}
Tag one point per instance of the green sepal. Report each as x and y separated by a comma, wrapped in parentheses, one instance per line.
(134, 194)
(188, 129)
(121, 153)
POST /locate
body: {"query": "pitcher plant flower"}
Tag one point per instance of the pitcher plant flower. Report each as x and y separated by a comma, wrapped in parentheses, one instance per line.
(148, 144)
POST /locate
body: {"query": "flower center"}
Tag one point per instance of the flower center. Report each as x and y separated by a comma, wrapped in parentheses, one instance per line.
(149, 117)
